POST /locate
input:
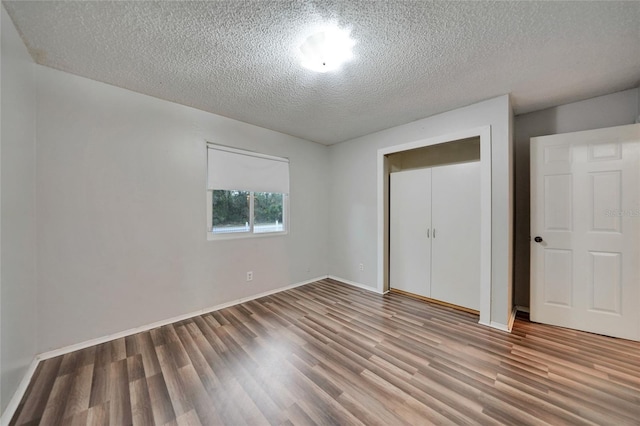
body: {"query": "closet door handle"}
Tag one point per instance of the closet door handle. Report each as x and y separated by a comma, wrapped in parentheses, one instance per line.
(434, 233)
(427, 232)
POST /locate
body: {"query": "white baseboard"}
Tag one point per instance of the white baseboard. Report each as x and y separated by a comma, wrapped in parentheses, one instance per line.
(504, 327)
(17, 396)
(500, 326)
(147, 327)
(492, 324)
(355, 284)
(523, 309)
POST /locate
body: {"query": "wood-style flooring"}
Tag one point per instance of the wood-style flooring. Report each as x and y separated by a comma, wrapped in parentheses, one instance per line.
(326, 353)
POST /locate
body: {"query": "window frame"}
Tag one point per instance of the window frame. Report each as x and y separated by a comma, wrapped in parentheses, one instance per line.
(251, 232)
(211, 236)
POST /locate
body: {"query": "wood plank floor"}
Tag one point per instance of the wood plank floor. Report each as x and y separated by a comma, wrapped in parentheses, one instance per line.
(327, 353)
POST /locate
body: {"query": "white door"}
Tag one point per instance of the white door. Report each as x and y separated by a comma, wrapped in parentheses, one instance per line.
(455, 243)
(585, 227)
(410, 222)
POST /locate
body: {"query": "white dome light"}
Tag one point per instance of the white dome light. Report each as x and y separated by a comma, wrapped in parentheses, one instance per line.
(327, 50)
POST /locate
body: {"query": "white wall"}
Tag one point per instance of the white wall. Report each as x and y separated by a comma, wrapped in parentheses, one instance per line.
(353, 221)
(121, 211)
(611, 110)
(17, 212)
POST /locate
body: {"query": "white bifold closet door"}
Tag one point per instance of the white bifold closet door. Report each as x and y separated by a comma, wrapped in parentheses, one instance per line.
(410, 223)
(435, 233)
(455, 243)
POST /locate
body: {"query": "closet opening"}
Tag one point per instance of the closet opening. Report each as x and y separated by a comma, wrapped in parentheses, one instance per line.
(434, 217)
(434, 223)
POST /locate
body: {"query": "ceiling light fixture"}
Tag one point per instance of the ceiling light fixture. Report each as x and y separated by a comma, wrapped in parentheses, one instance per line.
(327, 50)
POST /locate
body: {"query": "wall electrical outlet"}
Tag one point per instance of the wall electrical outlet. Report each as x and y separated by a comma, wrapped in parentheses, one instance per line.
(361, 267)
(250, 276)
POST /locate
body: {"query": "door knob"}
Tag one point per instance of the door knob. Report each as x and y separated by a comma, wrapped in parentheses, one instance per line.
(538, 239)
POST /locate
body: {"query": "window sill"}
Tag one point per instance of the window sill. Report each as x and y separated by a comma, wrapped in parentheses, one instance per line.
(243, 235)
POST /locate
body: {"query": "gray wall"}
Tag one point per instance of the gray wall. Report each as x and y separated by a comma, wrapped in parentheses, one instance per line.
(353, 195)
(17, 212)
(122, 213)
(605, 111)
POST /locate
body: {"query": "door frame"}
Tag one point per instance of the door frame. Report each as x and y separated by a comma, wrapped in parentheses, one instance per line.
(484, 133)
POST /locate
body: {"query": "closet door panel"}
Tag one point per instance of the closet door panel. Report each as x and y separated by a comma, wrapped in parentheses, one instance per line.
(455, 274)
(410, 221)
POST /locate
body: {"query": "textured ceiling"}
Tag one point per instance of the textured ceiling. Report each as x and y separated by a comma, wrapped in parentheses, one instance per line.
(412, 59)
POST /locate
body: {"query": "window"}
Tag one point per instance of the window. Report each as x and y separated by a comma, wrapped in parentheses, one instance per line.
(231, 211)
(247, 193)
(268, 208)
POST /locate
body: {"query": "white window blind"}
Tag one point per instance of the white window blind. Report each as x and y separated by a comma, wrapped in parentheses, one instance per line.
(232, 169)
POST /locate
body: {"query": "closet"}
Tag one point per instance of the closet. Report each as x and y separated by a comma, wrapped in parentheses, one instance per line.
(434, 241)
